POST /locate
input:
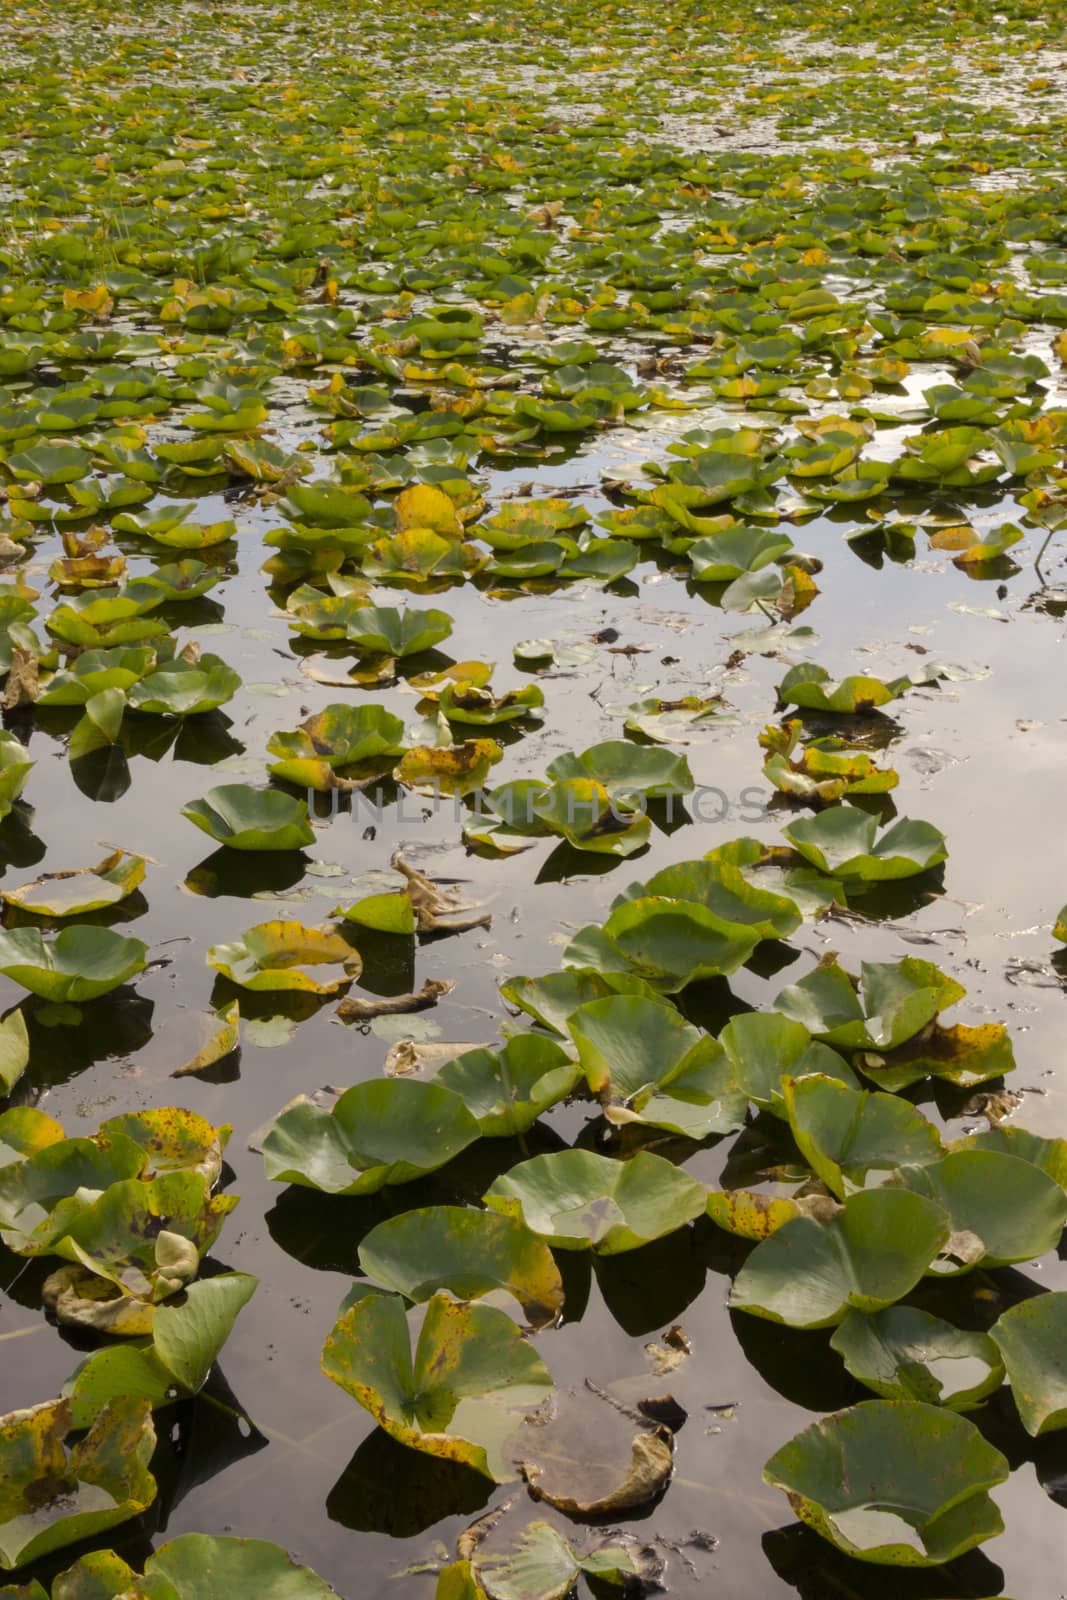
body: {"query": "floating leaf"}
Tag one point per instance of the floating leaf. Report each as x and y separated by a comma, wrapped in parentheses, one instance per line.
(469, 1253)
(810, 687)
(508, 1089)
(766, 1048)
(906, 1354)
(647, 1065)
(271, 956)
(243, 818)
(338, 746)
(79, 963)
(1032, 1339)
(1005, 1209)
(14, 1050)
(874, 1251)
(844, 842)
(54, 1496)
(853, 1139)
(893, 1482)
(583, 1201)
(223, 1042)
(383, 630)
(459, 1395)
(80, 889)
(386, 1131)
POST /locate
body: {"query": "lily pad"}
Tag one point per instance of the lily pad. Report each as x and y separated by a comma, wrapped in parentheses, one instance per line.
(853, 1139)
(583, 1201)
(80, 889)
(195, 1566)
(55, 1496)
(647, 1065)
(766, 1048)
(906, 1354)
(461, 1392)
(844, 842)
(336, 747)
(874, 1251)
(893, 1482)
(668, 943)
(507, 1089)
(243, 818)
(272, 956)
(469, 1253)
(1032, 1339)
(383, 630)
(386, 1131)
(79, 963)
(1004, 1209)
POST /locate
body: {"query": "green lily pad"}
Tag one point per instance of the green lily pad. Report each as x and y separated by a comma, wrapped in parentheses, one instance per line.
(188, 1333)
(628, 772)
(1003, 1208)
(853, 1139)
(507, 1090)
(906, 1354)
(14, 1050)
(582, 1201)
(844, 842)
(459, 1395)
(885, 1007)
(893, 1482)
(1032, 1339)
(668, 943)
(194, 1566)
(182, 688)
(383, 630)
(15, 768)
(874, 1251)
(810, 687)
(78, 963)
(55, 1496)
(243, 818)
(389, 1130)
(469, 1253)
(766, 1048)
(648, 1065)
(550, 1000)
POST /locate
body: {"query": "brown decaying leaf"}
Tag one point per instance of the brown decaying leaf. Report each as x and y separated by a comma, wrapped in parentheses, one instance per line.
(415, 1055)
(22, 686)
(357, 1008)
(591, 1456)
(438, 910)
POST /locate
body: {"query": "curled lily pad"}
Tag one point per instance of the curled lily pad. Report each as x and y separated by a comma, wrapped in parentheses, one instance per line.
(871, 1253)
(81, 889)
(893, 1482)
(55, 1495)
(386, 1131)
(243, 818)
(648, 1065)
(820, 770)
(844, 842)
(188, 1333)
(669, 943)
(463, 1390)
(853, 1139)
(542, 1565)
(1003, 1209)
(385, 913)
(810, 687)
(79, 963)
(144, 1237)
(766, 1048)
(181, 688)
(469, 1253)
(508, 1089)
(479, 706)
(15, 767)
(272, 955)
(1032, 1339)
(338, 746)
(95, 670)
(582, 1201)
(721, 887)
(903, 1353)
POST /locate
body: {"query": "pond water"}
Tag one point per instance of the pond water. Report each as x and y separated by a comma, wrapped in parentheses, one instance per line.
(270, 1449)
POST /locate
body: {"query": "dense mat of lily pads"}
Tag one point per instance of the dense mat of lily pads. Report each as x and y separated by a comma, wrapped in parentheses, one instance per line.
(323, 300)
